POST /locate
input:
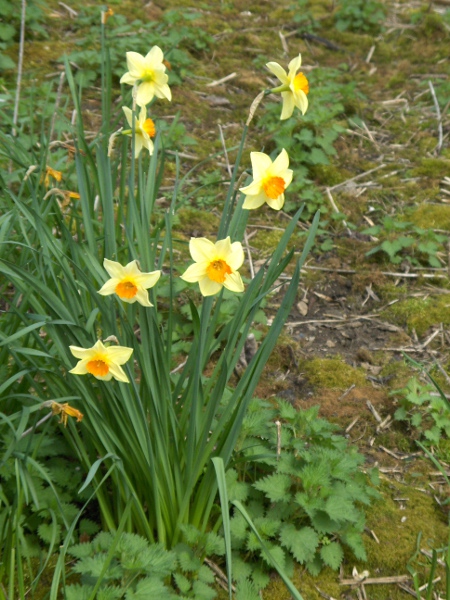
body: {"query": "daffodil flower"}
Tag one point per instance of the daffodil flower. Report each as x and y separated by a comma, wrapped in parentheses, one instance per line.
(294, 87)
(215, 265)
(144, 130)
(150, 71)
(66, 411)
(270, 179)
(128, 282)
(103, 362)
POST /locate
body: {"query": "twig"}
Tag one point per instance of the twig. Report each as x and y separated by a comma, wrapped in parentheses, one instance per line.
(323, 594)
(406, 588)
(222, 139)
(338, 185)
(73, 13)
(438, 116)
(335, 208)
(373, 410)
(58, 100)
(223, 80)
(375, 580)
(249, 256)
(31, 429)
(19, 66)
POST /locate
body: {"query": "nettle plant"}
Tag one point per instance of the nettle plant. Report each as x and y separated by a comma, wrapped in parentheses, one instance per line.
(154, 429)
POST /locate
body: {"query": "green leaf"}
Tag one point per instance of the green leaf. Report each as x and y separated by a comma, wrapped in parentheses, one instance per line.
(341, 508)
(276, 487)
(332, 555)
(301, 542)
(246, 590)
(150, 587)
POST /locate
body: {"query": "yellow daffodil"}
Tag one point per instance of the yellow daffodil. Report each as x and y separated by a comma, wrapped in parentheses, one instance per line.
(270, 179)
(144, 129)
(215, 265)
(150, 71)
(128, 282)
(103, 362)
(66, 411)
(294, 87)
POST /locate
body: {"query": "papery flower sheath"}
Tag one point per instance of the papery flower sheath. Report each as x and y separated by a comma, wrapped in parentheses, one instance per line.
(103, 362)
(128, 282)
(144, 130)
(150, 71)
(270, 179)
(294, 87)
(215, 266)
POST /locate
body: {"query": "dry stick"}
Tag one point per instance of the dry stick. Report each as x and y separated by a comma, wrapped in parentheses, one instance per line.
(19, 66)
(223, 80)
(338, 185)
(438, 116)
(249, 256)
(222, 139)
(58, 100)
(375, 580)
(335, 208)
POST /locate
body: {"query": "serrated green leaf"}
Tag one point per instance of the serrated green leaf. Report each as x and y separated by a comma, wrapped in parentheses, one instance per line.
(276, 487)
(246, 590)
(202, 591)
(341, 508)
(332, 554)
(301, 542)
(150, 587)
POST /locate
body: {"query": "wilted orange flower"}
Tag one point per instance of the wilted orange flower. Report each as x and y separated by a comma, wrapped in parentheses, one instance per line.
(49, 172)
(66, 411)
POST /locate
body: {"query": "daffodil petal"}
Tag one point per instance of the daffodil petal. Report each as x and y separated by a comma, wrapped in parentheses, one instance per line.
(223, 248)
(260, 163)
(209, 287)
(118, 354)
(301, 100)
(201, 249)
(79, 368)
(194, 272)
(154, 57)
(252, 189)
(276, 203)
(278, 71)
(163, 91)
(127, 78)
(294, 66)
(147, 280)
(280, 163)
(233, 282)
(82, 353)
(116, 372)
(142, 297)
(252, 202)
(109, 287)
(236, 257)
(145, 93)
(113, 268)
(288, 105)
(136, 64)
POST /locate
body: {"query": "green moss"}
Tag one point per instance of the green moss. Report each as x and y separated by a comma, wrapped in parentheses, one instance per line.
(434, 168)
(329, 174)
(431, 216)
(332, 373)
(420, 314)
(192, 222)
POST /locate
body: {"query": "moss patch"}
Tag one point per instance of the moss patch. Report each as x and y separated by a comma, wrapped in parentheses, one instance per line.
(332, 373)
(420, 313)
(431, 216)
